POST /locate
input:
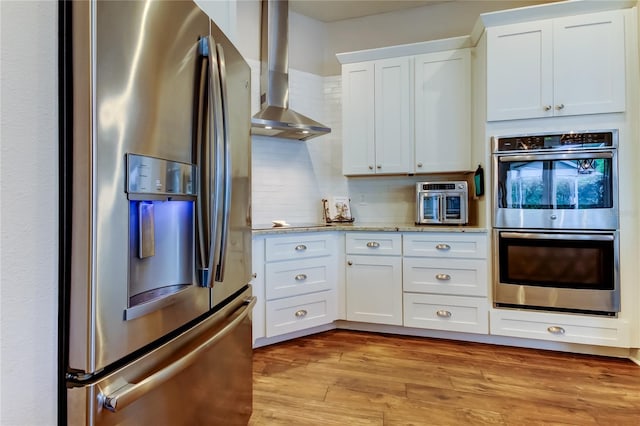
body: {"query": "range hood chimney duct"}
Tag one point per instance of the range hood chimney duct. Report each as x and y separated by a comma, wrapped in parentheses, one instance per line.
(275, 118)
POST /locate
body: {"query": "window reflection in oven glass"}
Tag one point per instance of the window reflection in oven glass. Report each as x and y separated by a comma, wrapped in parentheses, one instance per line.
(556, 184)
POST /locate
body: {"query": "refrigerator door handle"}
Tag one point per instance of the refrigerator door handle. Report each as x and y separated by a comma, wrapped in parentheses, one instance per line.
(131, 392)
(212, 174)
(226, 185)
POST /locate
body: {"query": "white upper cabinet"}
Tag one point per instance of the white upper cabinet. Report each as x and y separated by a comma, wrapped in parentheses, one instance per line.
(376, 116)
(393, 134)
(408, 114)
(555, 67)
(443, 111)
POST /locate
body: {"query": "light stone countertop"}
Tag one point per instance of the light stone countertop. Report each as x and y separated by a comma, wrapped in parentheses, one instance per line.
(370, 227)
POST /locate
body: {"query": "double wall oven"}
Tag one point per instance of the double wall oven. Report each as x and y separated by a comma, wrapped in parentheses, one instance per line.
(555, 222)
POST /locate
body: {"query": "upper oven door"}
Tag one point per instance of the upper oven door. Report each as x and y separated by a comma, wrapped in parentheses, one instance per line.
(570, 190)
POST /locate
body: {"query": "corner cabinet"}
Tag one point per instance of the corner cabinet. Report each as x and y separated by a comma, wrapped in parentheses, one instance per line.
(406, 115)
(377, 136)
(556, 67)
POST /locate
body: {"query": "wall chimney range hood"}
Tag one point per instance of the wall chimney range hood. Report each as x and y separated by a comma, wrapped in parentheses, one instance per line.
(275, 118)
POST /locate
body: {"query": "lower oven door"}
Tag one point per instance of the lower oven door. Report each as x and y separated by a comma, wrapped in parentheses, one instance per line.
(570, 272)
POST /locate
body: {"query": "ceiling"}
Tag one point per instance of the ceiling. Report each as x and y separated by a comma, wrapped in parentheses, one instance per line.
(337, 10)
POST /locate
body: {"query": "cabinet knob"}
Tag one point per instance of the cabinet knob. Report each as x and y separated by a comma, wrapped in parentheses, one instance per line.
(559, 107)
(349, 263)
(419, 164)
(370, 167)
(373, 244)
(443, 314)
(379, 166)
(443, 277)
(301, 247)
(254, 275)
(547, 107)
(557, 330)
(301, 313)
(443, 247)
(300, 277)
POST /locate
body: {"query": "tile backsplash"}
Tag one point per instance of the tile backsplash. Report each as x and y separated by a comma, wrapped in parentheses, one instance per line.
(290, 178)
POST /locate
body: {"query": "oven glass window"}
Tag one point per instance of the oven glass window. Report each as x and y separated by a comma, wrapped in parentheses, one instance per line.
(430, 205)
(452, 206)
(556, 184)
(580, 264)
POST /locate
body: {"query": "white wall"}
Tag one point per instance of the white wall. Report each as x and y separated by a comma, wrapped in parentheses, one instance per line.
(432, 22)
(29, 200)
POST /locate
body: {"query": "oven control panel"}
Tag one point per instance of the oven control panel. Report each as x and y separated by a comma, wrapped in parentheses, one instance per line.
(556, 141)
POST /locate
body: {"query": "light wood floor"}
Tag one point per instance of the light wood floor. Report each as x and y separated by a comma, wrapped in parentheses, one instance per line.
(355, 378)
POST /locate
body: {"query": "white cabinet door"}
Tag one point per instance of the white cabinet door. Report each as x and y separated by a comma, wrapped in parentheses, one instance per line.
(589, 61)
(443, 111)
(358, 116)
(556, 67)
(519, 71)
(393, 133)
(374, 289)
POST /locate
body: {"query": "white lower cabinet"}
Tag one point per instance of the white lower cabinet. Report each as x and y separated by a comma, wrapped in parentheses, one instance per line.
(374, 279)
(450, 313)
(600, 331)
(300, 279)
(300, 312)
(445, 281)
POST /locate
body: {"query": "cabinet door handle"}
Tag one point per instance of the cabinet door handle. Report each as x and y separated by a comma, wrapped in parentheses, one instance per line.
(300, 277)
(379, 166)
(554, 329)
(370, 166)
(419, 164)
(559, 107)
(443, 314)
(443, 277)
(349, 263)
(301, 247)
(443, 247)
(547, 107)
(373, 244)
(301, 313)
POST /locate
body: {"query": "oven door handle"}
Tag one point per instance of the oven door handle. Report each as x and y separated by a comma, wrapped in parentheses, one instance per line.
(550, 157)
(538, 236)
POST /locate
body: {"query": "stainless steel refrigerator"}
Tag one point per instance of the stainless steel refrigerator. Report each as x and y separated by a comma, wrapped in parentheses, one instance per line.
(155, 240)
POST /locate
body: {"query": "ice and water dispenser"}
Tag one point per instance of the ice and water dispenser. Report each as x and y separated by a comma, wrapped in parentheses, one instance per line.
(162, 196)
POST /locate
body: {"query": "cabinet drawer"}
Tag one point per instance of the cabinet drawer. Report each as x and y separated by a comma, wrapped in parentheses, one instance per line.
(560, 328)
(300, 312)
(450, 313)
(385, 243)
(445, 245)
(466, 277)
(295, 277)
(300, 246)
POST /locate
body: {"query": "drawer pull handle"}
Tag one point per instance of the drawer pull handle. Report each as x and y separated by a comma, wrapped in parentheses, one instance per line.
(443, 247)
(373, 244)
(301, 247)
(301, 313)
(443, 314)
(554, 329)
(443, 277)
(300, 277)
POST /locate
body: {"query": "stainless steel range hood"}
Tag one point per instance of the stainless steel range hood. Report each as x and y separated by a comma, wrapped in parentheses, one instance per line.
(275, 118)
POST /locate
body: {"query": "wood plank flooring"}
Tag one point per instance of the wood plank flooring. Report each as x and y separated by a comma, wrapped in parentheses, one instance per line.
(344, 377)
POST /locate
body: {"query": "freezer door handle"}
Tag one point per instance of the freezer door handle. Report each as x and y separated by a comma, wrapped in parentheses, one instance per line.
(131, 392)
